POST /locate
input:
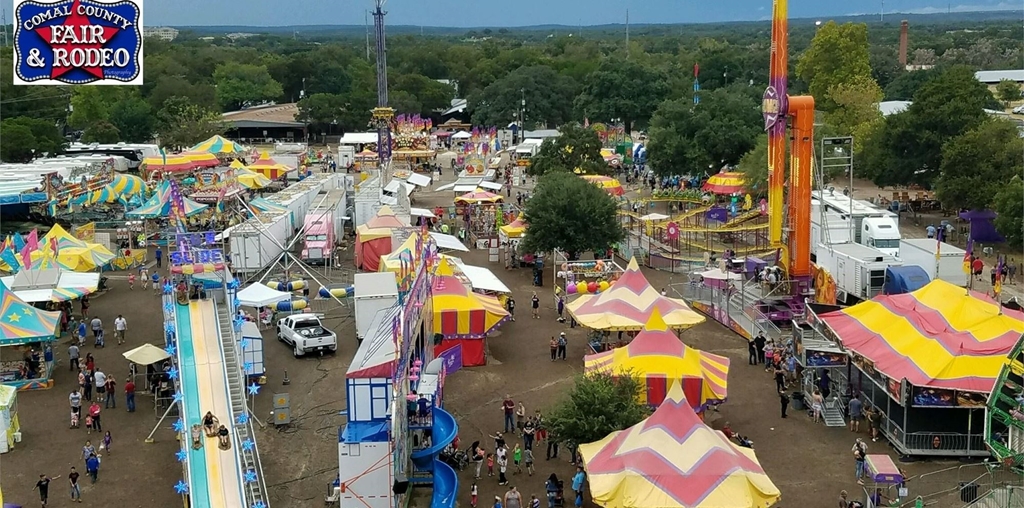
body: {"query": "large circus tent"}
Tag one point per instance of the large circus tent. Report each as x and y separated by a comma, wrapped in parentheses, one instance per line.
(373, 239)
(662, 361)
(463, 318)
(628, 303)
(673, 460)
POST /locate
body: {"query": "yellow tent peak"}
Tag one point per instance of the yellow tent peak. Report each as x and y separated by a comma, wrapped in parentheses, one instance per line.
(633, 265)
(237, 164)
(656, 323)
(675, 393)
(385, 211)
(444, 268)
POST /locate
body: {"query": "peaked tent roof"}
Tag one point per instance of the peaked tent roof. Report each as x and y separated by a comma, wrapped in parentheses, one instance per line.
(940, 336)
(460, 313)
(64, 239)
(673, 460)
(218, 144)
(479, 196)
(21, 323)
(657, 352)
(160, 205)
(516, 228)
(628, 303)
(259, 295)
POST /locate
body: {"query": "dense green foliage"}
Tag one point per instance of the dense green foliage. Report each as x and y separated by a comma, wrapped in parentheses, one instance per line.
(598, 405)
(569, 214)
(575, 149)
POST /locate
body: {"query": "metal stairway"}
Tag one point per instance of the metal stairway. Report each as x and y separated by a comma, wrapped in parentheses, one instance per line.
(1003, 497)
(249, 456)
(834, 413)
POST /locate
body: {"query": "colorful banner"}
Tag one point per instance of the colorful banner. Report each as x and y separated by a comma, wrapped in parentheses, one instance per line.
(452, 359)
(933, 397)
(81, 180)
(86, 232)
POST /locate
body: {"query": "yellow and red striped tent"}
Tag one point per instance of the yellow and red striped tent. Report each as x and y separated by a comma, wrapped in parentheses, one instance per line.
(460, 313)
(725, 183)
(609, 184)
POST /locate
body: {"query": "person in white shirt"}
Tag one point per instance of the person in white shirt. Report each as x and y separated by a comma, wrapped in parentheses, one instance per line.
(99, 380)
(120, 326)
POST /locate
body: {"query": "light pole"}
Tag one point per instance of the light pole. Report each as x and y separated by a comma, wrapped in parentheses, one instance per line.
(522, 114)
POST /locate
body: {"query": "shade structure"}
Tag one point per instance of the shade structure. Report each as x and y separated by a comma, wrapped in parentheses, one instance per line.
(84, 259)
(259, 295)
(251, 180)
(62, 237)
(202, 159)
(940, 336)
(269, 168)
(21, 323)
(265, 205)
(725, 183)
(122, 188)
(168, 163)
(373, 239)
(516, 228)
(461, 314)
(673, 460)
(146, 354)
(609, 184)
(237, 164)
(628, 304)
(479, 196)
(218, 145)
(662, 361)
(160, 206)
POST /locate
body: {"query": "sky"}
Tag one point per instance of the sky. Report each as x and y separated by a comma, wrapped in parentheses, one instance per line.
(489, 13)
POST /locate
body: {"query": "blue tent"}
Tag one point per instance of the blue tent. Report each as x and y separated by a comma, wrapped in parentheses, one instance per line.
(904, 279)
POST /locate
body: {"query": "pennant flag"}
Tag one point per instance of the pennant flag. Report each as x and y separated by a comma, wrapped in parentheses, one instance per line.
(26, 258)
(10, 259)
(33, 240)
(19, 241)
(967, 257)
(54, 246)
(939, 237)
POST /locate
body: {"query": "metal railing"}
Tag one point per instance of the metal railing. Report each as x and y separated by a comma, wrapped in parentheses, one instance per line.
(933, 443)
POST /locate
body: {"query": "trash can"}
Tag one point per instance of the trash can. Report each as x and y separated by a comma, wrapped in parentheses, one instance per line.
(798, 401)
(968, 492)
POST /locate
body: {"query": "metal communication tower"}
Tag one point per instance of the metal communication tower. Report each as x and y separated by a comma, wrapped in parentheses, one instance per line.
(383, 116)
(3, 27)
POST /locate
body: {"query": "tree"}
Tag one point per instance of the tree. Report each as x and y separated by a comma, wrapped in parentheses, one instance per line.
(185, 124)
(568, 213)
(203, 95)
(133, 119)
(430, 95)
(906, 84)
(838, 54)
(574, 148)
(977, 164)
(1008, 91)
(856, 108)
(754, 164)
(91, 104)
(598, 405)
(697, 138)
(101, 132)
(548, 97)
(25, 138)
(623, 89)
(321, 109)
(239, 85)
(1009, 205)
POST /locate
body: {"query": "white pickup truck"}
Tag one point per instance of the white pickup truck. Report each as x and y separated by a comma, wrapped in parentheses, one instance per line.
(306, 334)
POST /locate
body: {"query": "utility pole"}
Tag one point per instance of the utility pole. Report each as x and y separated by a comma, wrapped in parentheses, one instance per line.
(627, 33)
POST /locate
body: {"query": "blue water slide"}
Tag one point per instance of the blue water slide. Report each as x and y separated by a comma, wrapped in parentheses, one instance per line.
(446, 485)
(443, 432)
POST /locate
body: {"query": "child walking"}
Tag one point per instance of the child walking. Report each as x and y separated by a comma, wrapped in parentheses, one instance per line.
(528, 457)
(106, 442)
(490, 464)
(144, 277)
(472, 495)
(517, 458)
(131, 281)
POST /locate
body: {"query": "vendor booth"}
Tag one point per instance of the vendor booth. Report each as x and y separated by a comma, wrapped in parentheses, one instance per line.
(626, 304)
(373, 239)
(28, 334)
(268, 167)
(662, 361)
(509, 237)
(928, 360)
(51, 285)
(10, 427)
(673, 460)
(462, 317)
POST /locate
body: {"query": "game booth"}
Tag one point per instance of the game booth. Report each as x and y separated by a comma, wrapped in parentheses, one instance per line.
(27, 336)
(463, 319)
(661, 361)
(673, 459)
(509, 237)
(928, 360)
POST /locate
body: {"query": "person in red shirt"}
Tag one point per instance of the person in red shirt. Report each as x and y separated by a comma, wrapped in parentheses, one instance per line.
(509, 407)
(978, 266)
(129, 394)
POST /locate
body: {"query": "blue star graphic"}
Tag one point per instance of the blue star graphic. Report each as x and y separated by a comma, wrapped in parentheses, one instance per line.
(168, 288)
(254, 389)
(242, 419)
(178, 396)
(173, 373)
(248, 445)
(181, 487)
(168, 307)
(247, 366)
(181, 455)
(169, 327)
(259, 504)
(178, 425)
(171, 349)
(250, 476)
(244, 343)
(237, 302)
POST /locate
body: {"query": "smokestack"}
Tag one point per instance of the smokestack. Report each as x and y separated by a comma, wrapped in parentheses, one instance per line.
(904, 28)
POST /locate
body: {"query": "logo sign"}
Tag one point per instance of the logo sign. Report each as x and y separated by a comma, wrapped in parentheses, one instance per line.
(672, 231)
(771, 107)
(452, 359)
(78, 42)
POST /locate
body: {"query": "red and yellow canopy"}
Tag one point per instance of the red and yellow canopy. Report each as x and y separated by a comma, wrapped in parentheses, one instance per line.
(725, 183)
(460, 313)
(628, 304)
(202, 159)
(609, 184)
(269, 168)
(658, 356)
(673, 460)
(168, 163)
(479, 196)
(940, 336)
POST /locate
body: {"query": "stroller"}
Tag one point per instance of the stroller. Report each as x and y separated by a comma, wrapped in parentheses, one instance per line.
(455, 457)
(74, 419)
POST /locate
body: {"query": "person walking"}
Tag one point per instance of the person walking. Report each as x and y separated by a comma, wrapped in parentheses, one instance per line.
(74, 353)
(562, 343)
(44, 487)
(111, 398)
(144, 278)
(76, 492)
(535, 304)
(509, 408)
(502, 468)
(554, 348)
(159, 255)
(513, 499)
(561, 308)
(783, 401)
(510, 306)
(88, 450)
(817, 405)
(94, 413)
(856, 413)
(860, 453)
(75, 400)
(120, 327)
(100, 380)
(129, 394)
(92, 467)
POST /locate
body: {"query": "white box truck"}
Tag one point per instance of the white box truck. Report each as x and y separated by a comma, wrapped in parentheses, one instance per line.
(374, 292)
(837, 229)
(949, 267)
(859, 270)
(873, 226)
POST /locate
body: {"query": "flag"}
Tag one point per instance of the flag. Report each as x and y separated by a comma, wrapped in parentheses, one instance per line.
(967, 257)
(54, 246)
(26, 258)
(939, 237)
(998, 286)
(19, 242)
(33, 240)
(10, 259)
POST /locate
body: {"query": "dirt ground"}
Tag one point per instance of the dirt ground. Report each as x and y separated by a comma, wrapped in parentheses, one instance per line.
(810, 463)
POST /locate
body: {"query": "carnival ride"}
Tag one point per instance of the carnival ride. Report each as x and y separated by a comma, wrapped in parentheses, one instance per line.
(445, 481)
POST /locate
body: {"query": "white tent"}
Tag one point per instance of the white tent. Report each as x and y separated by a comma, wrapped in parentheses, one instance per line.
(448, 242)
(258, 295)
(146, 354)
(461, 135)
